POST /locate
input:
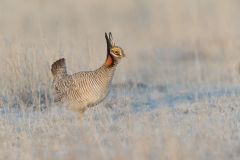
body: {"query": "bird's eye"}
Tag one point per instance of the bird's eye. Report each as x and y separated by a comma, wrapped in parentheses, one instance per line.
(117, 52)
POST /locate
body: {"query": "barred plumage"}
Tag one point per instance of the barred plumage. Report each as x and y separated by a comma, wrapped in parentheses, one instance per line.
(85, 89)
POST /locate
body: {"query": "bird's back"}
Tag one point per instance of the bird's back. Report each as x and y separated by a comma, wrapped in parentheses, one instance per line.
(83, 89)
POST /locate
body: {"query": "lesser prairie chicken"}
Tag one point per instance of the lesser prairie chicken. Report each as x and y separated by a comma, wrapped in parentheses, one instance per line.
(88, 88)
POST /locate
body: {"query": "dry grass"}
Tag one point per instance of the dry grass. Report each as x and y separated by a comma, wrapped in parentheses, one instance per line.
(176, 96)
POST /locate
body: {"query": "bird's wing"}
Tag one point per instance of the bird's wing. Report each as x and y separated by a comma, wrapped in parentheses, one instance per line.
(68, 85)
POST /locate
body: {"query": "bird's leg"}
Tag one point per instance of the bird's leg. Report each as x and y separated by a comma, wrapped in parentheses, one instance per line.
(81, 114)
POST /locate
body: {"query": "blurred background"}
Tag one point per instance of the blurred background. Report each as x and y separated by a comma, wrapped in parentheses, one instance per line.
(166, 41)
(41, 31)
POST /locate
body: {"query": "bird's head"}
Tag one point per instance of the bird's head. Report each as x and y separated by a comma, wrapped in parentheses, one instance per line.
(116, 52)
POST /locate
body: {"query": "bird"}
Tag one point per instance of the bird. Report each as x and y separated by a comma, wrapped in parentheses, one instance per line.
(86, 89)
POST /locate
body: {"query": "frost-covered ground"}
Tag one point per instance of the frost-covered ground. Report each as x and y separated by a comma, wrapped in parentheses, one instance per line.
(175, 96)
(136, 122)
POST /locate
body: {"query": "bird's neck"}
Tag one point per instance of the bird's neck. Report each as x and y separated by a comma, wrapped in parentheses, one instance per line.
(108, 68)
(110, 61)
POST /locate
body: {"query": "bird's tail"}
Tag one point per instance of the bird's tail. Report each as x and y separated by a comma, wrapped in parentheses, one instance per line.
(59, 68)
